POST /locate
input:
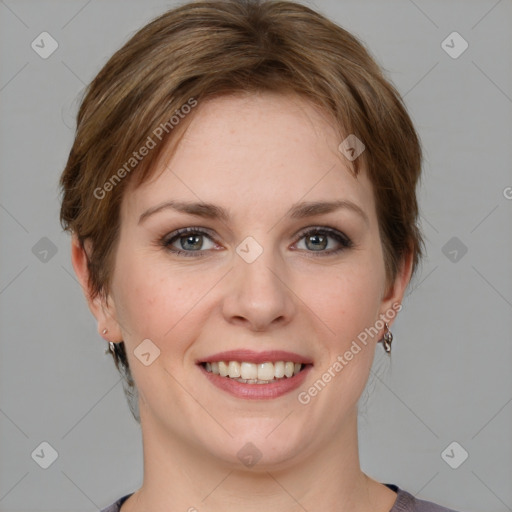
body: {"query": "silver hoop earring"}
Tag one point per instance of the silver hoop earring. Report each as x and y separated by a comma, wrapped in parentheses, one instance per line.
(104, 331)
(387, 339)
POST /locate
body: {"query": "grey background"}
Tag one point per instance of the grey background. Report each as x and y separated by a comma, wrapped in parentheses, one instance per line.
(449, 378)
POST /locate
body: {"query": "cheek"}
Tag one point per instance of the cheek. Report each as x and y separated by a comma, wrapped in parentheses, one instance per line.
(348, 298)
(156, 300)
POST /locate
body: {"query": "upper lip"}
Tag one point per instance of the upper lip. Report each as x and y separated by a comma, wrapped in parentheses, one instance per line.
(251, 356)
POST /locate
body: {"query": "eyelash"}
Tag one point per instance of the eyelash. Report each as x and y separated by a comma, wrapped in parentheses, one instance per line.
(168, 240)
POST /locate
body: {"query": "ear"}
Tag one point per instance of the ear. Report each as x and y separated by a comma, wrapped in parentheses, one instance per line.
(104, 313)
(395, 291)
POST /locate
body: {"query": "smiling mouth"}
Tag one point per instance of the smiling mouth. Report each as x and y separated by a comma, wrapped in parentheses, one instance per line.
(251, 373)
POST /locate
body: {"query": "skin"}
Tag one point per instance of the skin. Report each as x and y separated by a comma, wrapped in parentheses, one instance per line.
(256, 156)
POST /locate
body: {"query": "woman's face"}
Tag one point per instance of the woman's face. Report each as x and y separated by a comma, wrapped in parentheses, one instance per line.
(269, 277)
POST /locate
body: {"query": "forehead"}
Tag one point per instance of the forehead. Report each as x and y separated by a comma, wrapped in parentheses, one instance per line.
(259, 152)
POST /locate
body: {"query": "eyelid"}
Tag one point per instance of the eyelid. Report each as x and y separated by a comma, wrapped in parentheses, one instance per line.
(324, 229)
(342, 239)
(167, 239)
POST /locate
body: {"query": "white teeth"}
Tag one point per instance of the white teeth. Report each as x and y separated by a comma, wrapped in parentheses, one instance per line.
(279, 369)
(250, 373)
(234, 369)
(223, 369)
(266, 371)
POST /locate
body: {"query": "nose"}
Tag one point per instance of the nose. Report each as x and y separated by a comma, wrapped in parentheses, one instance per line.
(259, 295)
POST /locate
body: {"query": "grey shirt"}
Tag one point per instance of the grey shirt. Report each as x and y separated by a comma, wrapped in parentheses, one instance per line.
(405, 502)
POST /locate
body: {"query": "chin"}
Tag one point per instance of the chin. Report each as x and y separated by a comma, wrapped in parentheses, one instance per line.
(259, 445)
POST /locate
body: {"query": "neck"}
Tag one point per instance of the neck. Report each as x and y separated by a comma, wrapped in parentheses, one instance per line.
(178, 476)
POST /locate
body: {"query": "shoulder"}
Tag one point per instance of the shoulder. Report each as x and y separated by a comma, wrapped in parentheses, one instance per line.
(406, 502)
(115, 507)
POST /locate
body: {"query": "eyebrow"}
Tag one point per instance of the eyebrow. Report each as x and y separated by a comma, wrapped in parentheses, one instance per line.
(297, 211)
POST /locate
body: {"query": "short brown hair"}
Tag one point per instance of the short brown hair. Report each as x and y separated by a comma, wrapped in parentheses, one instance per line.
(204, 49)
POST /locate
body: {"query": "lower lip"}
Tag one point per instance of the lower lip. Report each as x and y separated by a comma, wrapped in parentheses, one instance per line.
(257, 391)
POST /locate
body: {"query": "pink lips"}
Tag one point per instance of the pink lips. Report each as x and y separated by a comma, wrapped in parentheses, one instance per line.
(257, 391)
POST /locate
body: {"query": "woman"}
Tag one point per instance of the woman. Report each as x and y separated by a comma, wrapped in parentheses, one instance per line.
(241, 197)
